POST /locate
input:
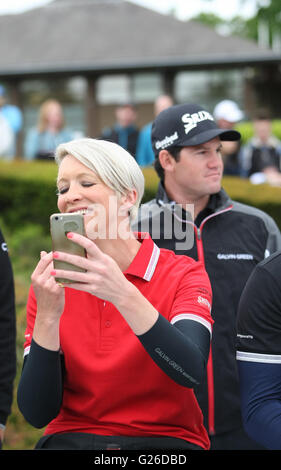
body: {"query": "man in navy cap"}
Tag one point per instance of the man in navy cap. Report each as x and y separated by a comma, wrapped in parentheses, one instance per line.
(229, 238)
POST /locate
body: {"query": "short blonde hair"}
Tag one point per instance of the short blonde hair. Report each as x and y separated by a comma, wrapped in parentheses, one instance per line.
(113, 165)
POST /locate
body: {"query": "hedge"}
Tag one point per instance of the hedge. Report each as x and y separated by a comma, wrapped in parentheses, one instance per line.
(247, 130)
(28, 193)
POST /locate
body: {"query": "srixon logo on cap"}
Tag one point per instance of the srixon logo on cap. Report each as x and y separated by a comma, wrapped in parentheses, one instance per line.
(191, 120)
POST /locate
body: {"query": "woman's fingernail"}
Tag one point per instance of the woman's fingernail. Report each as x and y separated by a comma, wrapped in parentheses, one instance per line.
(69, 235)
(55, 254)
(53, 273)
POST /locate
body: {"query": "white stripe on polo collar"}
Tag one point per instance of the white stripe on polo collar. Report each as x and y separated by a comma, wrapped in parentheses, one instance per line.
(152, 263)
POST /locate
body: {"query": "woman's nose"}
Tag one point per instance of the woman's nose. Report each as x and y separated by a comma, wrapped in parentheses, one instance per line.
(73, 194)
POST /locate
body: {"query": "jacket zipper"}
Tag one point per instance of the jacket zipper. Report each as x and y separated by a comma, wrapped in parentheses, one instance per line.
(210, 370)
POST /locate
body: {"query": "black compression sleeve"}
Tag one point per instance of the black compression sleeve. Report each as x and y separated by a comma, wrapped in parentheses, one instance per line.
(41, 386)
(180, 350)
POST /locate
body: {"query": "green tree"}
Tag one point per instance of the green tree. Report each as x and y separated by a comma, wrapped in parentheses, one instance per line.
(264, 26)
(210, 19)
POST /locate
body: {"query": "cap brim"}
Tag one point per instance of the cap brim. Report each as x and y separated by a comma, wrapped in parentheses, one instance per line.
(224, 134)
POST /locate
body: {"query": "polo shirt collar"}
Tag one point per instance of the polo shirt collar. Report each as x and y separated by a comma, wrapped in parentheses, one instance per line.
(146, 259)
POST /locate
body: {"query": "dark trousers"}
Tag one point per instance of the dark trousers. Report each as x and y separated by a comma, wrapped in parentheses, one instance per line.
(236, 439)
(85, 441)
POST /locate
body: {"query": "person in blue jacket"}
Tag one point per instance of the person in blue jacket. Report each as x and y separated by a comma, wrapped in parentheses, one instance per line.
(145, 154)
(12, 117)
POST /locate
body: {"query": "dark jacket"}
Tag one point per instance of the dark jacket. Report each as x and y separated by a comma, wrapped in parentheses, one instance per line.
(230, 238)
(126, 137)
(7, 333)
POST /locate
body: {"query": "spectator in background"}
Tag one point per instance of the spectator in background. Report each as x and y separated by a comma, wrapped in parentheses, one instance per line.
(6, 139)
(227, 114)
(124, 132)
(7, 336)
(261, 156)
(42, 140)
(145, 154)
(10, 126)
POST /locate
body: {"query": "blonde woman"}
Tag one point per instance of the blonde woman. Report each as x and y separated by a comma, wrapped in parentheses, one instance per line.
(42, 140)
(111, 359)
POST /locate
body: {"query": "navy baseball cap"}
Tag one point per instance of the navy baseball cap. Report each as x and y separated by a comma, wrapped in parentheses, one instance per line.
(186, 125)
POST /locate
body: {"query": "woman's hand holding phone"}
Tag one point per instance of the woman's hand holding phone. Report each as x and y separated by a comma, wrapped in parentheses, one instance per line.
(102, 278)
(50, 303)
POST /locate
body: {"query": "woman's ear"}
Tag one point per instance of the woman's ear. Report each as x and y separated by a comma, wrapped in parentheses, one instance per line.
(166, 160)
(129, 199)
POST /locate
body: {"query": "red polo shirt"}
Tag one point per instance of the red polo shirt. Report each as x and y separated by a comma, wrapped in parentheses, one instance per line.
(112, 386)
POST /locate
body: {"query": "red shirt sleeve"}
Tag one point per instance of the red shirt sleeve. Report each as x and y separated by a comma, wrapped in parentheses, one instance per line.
(193, 299)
